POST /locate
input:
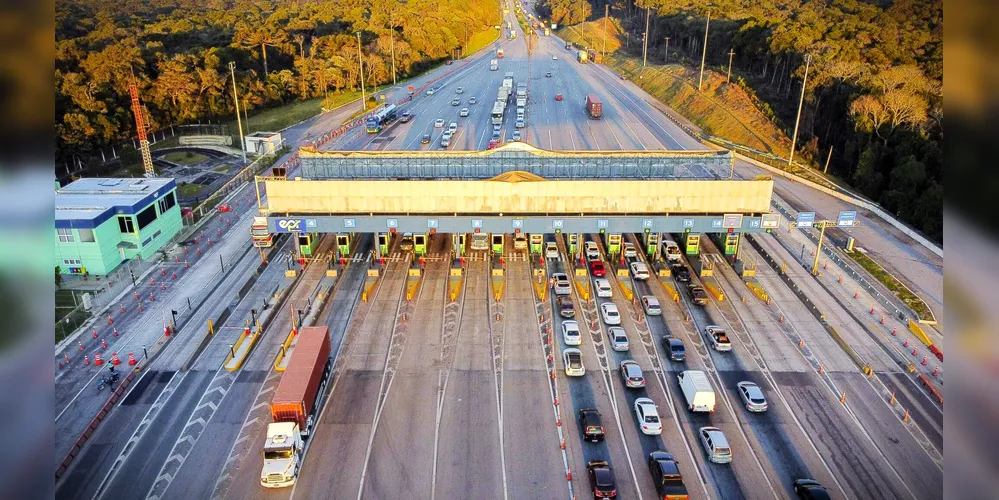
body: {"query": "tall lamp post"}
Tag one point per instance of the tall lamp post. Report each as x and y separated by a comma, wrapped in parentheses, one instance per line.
(704, 53)
(360, 67)
(235, 100)
(797, 120)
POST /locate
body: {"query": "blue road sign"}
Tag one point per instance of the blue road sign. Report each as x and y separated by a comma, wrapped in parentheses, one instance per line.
(847, 218)
(310, 223)
(392, 222)
(557, 223)
(754, 223)
(646, 223)
(477, 223)
(349, 223)
(688, 222)
(806, 219)
(518, 223)
(601, 223)
(432, 223)
(289, 225)
(717, 223)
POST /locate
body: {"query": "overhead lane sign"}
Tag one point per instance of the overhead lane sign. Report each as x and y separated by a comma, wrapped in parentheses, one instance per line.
(805, 219)
(847, 218)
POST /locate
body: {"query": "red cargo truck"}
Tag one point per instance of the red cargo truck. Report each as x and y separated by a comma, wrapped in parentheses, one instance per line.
(593, 106)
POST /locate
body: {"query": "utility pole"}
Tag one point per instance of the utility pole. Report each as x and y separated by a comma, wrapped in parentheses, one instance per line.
(826, 169)
(666, 59)
(360, 67)
(801, 102)
(392, 35)
(645, 42)
(704, 52)
(235, 100)
(731, 52)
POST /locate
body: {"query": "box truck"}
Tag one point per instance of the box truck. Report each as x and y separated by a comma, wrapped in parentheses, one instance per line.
(494, 65)
(697, 390)
(594, 107)
(295, 407)
(582, 56)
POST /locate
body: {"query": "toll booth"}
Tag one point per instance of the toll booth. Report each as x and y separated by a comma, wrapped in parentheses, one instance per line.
(651, 241)
(420, 244)
(458, 243)
(383, 243)
(537, 241)
(497, 242)
(693, 244)
(307, 243)
(732, 243)
(343, 243)
(612, 243)
(571, 243)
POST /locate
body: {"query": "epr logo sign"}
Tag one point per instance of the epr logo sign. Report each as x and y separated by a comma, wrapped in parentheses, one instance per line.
(289, 225)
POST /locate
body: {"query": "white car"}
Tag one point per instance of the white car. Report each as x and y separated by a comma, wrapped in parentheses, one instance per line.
(629, 251)
(651, 305)
(752, 396)
(561, 286)
(459, 90)
(472, 100)
(718, 338)
(520, 123)
(520, 241)
(430, 91)
(570, 333)
(639, 270)
(610, 313)
(452, 127)
(463, 112)
(715, 444)
(648, 416)
(551, 250)
(554, 58)
(572, 359)
(439, 123)
(592, 251)
(516, 135)
(603, 288)
(618, 338)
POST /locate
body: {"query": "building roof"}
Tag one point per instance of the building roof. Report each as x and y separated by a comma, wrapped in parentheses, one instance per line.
(88, 202)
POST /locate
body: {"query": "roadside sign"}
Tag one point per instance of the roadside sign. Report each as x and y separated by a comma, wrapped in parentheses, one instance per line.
(805, 219)
(754, 223)
(311, 223)
(646, 223)
(289, 225)
(557, 223)
(731, 221)
(716, 223)
(770, 221)
(847, 218)
(518, 223)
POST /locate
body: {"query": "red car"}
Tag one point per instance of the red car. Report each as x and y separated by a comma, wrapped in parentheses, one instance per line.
(597, 268)
(493, 143)
(558, 97)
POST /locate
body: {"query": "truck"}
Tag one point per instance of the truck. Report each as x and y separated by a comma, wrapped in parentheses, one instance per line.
(521, 95)
(513, 34)
(494, 64)
(499, 53)
(594, 107)
(496, 117)
(582, 56)
(508, 83)
(718, 338)
(666, 476)
(697, 391)
(503, 95)
(295, 407)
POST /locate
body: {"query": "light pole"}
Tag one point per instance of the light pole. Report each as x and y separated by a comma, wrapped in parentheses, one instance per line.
(360, 67)
(645, 36)
(392, 35)
(797, 120)
(603, 50)
(666, 58)
(731, 52)
(704, 52)
(235, 100)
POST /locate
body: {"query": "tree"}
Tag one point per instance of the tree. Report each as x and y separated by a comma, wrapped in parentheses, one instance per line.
(58, 277)
(261, 36)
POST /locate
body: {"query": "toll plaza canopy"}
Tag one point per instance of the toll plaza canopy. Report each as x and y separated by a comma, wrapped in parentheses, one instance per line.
(513, 156)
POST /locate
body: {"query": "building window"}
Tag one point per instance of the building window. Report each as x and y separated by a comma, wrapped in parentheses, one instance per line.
(86, 235)
(157, 234)
(125, 224)
(146, 217)
(167, 202)
(65, 235)
(72, 262)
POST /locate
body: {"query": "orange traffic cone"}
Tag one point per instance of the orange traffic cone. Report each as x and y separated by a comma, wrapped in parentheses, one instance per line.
(97, 359)
(131, 359)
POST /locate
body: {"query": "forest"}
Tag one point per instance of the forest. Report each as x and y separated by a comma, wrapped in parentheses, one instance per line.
(178, 54)
(873, 93)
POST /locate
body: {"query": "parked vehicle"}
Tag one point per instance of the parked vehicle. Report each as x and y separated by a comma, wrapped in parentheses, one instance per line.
(697, 390)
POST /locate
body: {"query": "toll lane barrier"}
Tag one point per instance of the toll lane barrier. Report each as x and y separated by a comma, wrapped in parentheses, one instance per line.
(454, 283)
(629, 295)
(540, 284)
(94, 424)
(240, 351)
(413, 281)
(757, 289)
(919, 333)
(582, 285)
(370, 283)
(279, 364)
(713, 289)
(857, 360)
(931, 387)
(498, 285)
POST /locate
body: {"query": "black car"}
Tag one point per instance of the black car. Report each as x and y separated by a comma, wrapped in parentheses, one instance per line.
(602, 479)
(590, 425)
(675, 349)
(680, 272)
(426, 139)
(810, 489)
(698, 295)
(548, 74)
(666, 475)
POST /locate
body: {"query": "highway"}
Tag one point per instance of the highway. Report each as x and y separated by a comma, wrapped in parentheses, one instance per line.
(440, 398)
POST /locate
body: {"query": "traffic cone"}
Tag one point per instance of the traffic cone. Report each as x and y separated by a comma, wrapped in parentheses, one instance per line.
(162, 272)
(882, 320)
(140, 306)
(856, 294)
(558, 423)
(915, 351)
(163, 286)
(822, 368)
(97, 359)
(131, 359)
(924, 360)
(906, 343)
(840, 278)
(174, 275)
(199, 251)
(81, 345)
(185, 264)
(110, 321)
(556, 401)
(209, 242)
(114, 331)
(114, 359)
(893, 334)
(151, 297)
(166, 331)
(872, 309)
(66, 356)
(220, 232)
(185, 249)
(842, 399)
(95, 333)
(122, 307)
(153, 282)
(86, 360)
(104, 345)
(246, 331)
(936, 371)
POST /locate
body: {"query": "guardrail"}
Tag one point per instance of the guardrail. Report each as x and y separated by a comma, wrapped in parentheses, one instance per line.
(94, 424)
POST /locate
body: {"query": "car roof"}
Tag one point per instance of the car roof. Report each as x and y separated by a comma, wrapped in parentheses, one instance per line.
(674, 341)
(572, 350)
(570, 323)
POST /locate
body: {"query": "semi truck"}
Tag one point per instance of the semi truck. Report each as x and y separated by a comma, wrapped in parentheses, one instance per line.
(295, 407)
(521, 95)
(502, 96)
(494, 65)
(582, 56)
(594, 107)
(697, 391)
(508, 82)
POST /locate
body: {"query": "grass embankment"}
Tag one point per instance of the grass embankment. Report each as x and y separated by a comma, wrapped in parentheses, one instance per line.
(911, 300)
(184, 157)
(189, 189)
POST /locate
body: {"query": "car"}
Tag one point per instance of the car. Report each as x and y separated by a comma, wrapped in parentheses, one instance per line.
(570, 333)
(631, 373)
(551, 250)
(516, 135)
(558, 97)
(495, 136)
(463, 112)
(520, 123)
(406, 117)
(680, 272)
(715, 444)
(618, 338)
(452, 127)
(439, 123)
(406, 243)
(493, 143)
(430, 91)
(629, 251)
(455, 102)
(447, 135)
(472, 100)
(554, 57)
(590, 425)
(449, 62)
(565, 308)
(608, 310)
(597, 268)
(459, 90)
(561, 284)
(752, 396)
(548, 74)
(520, 241)
(810, 489)
(698, 295)
(602, 482)
(591, 249)
(718, 338)
(603, 288)
(572, 359)
(651, 305)
(675, 348)
(648, 417)
(425, 139)
(639, 270)
(445, 140)
(666, 476)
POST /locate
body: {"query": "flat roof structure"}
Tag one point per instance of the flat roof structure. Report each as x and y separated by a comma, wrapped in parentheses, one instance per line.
(88, 202)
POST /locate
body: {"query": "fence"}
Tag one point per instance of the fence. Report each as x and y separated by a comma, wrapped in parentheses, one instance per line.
(113, 285)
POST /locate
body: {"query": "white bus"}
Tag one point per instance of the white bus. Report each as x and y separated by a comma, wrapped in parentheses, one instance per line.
(497, 114)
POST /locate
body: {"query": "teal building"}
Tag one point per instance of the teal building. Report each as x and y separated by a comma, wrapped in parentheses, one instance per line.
(102, 222)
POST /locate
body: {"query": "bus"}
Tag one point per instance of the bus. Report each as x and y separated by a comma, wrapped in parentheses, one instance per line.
(262, 238)
(383, 117)
(497, 114)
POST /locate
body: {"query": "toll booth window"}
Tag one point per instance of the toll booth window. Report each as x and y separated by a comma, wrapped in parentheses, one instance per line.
(146, 217)
(303, 240)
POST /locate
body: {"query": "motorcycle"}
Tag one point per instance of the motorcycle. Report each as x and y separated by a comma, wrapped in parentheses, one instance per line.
(107, 381)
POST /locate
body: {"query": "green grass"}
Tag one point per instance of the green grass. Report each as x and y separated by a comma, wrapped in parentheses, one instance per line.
(223, 169)
(190, 189)
(911, 300)
(277, 118)
(184, 157)
(482, 39)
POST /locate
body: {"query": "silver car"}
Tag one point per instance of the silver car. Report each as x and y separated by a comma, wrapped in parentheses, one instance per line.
(618, 338)
(631, 373)
(715, 444)
(752, 396)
